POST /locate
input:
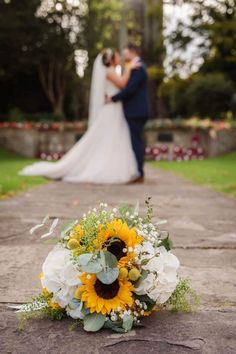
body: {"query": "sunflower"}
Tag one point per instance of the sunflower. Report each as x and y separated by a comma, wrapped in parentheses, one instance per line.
(118, 238)
(103, 298)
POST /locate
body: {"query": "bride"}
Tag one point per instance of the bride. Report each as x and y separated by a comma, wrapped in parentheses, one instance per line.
(104, 154)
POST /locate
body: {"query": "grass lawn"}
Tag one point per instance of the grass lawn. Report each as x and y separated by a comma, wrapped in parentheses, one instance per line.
(218, 173)
(10, 182)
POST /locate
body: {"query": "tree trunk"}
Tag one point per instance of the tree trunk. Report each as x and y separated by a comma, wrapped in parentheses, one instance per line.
(52, 78)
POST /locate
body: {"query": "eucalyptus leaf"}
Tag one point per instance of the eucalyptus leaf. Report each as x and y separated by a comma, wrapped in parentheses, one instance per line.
(128, 321)
(93, 266)
(67, 227)
(74, 303)
(108, 276)
(143, 276)
(110, 259)
(54, 224)
(136, 207)
(102, 258)
(93, 322)
(36, 227)
(114, 326)
(83, 259)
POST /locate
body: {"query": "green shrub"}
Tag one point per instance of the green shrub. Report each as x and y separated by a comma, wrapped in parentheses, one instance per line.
(200, 95)
(209, 95)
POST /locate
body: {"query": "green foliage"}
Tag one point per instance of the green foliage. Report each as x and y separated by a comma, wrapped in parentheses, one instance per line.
(167, 243)
(209, 95)
(206, 95)
(101, 26)
(38, 308)
(16, 115)
(149, 209)
(115, 326)
(42, 52)
(184, 298)
(215, 22)
(103, 264)
(128, 321)
(93, 322)
(146, 300)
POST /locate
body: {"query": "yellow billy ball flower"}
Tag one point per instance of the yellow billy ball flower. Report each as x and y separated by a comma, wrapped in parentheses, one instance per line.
(73, 244)
(134, 274)
(77, 232)
(123, 272)
(77, 293)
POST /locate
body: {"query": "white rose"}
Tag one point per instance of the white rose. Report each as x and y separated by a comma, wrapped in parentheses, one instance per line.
(60, 275)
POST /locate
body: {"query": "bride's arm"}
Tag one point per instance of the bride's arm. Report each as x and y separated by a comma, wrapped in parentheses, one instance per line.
(120, 81)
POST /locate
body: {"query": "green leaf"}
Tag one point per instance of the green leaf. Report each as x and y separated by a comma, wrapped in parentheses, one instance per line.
(144, 275)
(103, 259)
(110, 259)
(114, 326)
(93, 322)
(148, 301)
(94, 266)
(128, 322)
(167, 243)
(67, 227)
(83, 259)
(108, 276)
(136, 207)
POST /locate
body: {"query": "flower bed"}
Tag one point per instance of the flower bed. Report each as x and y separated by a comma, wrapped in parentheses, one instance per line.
(49, 141)
(192, 123)
(42, 126)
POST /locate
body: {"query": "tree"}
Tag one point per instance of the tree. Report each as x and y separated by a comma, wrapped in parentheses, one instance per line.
(144, 27)
(213, 24)
(45, 38)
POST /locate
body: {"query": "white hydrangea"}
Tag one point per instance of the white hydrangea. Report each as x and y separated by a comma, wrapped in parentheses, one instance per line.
(162, 277)
(145, 250)
(60, 275)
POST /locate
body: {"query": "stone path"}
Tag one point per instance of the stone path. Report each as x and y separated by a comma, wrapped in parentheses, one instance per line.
(202, 224)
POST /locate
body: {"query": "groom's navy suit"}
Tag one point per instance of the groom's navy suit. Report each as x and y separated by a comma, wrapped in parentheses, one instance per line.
(136, 109)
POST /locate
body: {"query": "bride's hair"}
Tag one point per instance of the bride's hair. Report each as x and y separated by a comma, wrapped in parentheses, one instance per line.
(108, 55)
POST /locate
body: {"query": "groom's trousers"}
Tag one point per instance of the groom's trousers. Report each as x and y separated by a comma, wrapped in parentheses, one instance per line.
(136, 127)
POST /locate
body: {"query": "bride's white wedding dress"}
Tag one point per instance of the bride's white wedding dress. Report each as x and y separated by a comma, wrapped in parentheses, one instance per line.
(103, 155)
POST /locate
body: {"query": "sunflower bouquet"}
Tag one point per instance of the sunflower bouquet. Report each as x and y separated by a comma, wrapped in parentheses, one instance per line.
(109, 270)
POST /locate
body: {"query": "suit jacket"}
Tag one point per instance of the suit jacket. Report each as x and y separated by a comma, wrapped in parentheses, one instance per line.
(135, 95)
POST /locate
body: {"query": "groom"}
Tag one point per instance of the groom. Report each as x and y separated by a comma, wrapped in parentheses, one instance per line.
(136, 107)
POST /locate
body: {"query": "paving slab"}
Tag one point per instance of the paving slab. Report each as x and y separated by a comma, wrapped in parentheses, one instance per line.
(202, 224)
(201, 333)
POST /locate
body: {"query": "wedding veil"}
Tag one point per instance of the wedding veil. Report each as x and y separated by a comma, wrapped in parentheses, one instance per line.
(97, 91)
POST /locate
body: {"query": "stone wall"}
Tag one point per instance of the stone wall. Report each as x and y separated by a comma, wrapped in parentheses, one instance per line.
(31, 142)
(214, 143)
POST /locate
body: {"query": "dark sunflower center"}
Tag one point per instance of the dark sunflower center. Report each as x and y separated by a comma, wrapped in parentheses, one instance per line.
(107, 291)
(116, 247)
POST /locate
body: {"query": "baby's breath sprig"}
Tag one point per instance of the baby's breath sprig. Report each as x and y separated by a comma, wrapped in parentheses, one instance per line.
(184, 298)
(149, 209)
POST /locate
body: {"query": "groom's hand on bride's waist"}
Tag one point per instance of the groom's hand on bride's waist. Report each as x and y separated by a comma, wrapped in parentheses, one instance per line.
(108, 99)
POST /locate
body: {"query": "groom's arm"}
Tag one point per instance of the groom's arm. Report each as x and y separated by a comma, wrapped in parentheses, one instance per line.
(136, 78)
